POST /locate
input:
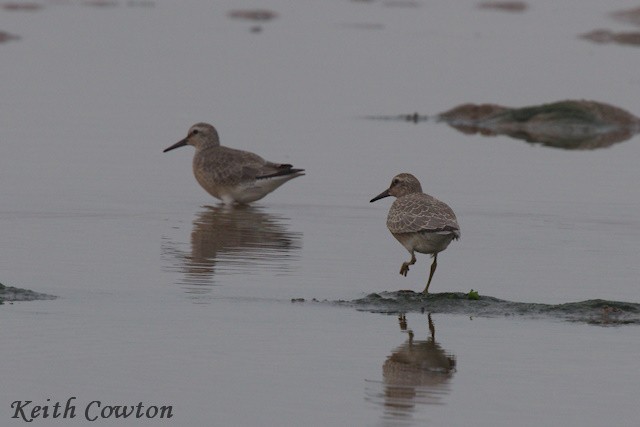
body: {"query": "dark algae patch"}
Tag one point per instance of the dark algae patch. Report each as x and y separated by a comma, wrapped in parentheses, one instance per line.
(558, 111)
(10, 294)
(596, 312)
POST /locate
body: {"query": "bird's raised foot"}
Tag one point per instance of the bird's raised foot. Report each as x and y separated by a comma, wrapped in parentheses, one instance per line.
(404, 269)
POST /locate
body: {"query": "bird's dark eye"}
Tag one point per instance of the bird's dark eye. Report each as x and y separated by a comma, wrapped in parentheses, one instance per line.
(395, 182)
(194, 132)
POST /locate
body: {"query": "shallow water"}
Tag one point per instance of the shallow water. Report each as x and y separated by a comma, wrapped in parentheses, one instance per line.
(166, 298)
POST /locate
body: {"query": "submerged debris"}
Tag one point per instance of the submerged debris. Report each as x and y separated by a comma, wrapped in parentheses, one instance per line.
(141, 3)
(9, 293)
(631, 38)
(507, 6)
(5, 37)
(100, 3)
(21, 6)
(362, 25)
(401, 3)
(413, 117)
(630, 16)
(565, 124)
(256, 15)
(253, 15)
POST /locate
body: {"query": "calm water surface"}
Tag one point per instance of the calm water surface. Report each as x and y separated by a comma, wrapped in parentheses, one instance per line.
(166, 298)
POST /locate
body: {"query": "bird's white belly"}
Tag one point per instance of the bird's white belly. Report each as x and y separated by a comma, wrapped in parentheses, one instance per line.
(425, 243)
(245, 193)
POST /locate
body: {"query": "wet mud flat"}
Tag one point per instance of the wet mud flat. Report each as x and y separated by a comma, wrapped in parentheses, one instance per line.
(567, 124)
(11, 294)
(595, 312)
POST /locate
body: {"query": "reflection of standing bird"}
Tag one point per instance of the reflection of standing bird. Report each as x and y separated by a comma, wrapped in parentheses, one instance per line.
(419, 362)
(232, 175)
(228, 240)
(417, 371)
(419, 221)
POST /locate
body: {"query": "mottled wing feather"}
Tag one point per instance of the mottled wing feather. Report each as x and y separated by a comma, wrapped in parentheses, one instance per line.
(421, 212)
(229, 166)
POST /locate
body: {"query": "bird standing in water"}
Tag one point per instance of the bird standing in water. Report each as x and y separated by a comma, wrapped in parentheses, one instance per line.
(230, 175)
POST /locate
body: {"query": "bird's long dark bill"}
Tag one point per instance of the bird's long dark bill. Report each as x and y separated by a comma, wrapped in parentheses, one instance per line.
(382, 195)
(178, 144)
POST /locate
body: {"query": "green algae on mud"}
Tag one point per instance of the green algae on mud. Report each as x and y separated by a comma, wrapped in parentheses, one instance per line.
(10, 294)
(596, 312)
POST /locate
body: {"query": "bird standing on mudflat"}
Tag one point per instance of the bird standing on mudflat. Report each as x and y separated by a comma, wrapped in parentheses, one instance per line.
(420, 222)
(232, 175)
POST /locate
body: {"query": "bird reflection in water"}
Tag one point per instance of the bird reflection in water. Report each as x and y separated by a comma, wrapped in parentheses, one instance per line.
(233, 239)
(416, 373)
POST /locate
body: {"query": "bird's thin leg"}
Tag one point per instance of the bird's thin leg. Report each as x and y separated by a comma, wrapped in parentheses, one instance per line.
(402, 320)
(405, 265)
(434, 264)
(432, 328)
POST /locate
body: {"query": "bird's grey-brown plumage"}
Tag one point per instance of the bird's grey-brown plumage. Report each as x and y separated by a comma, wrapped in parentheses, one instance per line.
(420, 212)
(420, 222)
(232, 175)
